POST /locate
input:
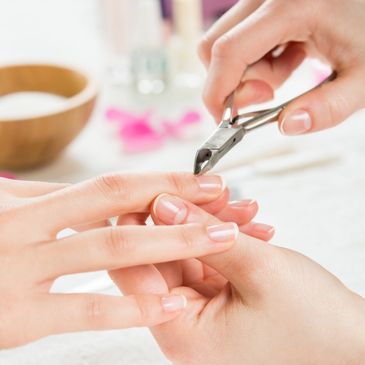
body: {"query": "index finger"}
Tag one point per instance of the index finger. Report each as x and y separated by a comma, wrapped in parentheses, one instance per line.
(231, 18)
(60, 313)
(118, 194)
(244, 45)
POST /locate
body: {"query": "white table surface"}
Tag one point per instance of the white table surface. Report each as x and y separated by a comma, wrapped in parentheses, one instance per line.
(317, 210)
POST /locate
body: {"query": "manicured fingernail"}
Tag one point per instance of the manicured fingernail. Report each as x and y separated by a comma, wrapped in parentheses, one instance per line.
(211, 184)
(265, 228)
(170, 209)
(296, 123)
(174, 303)
(239, 204)
(225, 232)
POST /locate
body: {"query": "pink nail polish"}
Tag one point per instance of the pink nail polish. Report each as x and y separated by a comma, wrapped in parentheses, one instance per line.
(174, 303)
(265, 228)
(225, 232)
(296, 123)
(239, 204)
(170, 209)
(211, 184)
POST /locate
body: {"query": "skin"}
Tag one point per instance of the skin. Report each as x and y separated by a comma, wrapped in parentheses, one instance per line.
(31, 257)
(253, 304)
(237, 52)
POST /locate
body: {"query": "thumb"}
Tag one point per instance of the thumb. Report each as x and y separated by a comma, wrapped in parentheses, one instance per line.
(325, 106)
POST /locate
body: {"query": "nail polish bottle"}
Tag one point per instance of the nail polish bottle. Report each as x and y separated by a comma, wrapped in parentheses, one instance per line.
(117, 23)
(149, 60)
(186, 69)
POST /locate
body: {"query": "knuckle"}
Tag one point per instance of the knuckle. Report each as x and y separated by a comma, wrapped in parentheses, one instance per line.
(209, 99)
(332, 110)
(15, 215)
(187, 236)
(178, 183)
(222, 46)
(306, 19)
(206, 96)
(145, 315)
(338, 108)
(204, 48)
(94, 312)
(117, 243)
(113, 186)
(296, 21)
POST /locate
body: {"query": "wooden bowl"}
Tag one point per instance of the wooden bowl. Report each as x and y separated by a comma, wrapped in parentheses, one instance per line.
(37, 140)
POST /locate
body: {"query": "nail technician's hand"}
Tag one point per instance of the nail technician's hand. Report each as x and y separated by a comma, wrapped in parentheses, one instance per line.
(279, 307)
(31, 257)
(245, 37)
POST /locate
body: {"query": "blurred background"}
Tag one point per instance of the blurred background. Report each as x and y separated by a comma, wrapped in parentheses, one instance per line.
(149, 116)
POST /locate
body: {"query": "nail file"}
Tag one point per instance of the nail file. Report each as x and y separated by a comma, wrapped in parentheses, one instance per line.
(284, 164)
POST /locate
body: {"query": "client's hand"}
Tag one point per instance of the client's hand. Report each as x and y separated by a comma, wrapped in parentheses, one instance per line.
(278, 307)
(31, 257)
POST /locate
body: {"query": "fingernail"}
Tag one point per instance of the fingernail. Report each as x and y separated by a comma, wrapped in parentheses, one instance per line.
(211, 184)
(296, 123)
(170, 209)
(265, 228)
(225, 232)
(174, 303)
(239, 204)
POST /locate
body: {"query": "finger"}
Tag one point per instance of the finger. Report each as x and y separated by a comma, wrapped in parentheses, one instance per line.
(239, 264)
(60, 313)
(262, 78)
(230, 19)
(153, 277)
(126, 246)
(88, 226)
(25, 189)
(133, 219)
(114, 195)
(218, 204)
(163, 275)
(202, 278)
(196, 303)
(275, 70)
(260, 231)
(142, 279)
(238, 48)
(240, 212)
(257, 230)
(325, 106)
(252, 92)
(192, 271)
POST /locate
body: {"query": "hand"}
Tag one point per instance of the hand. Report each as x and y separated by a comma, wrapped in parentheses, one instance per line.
(31, 257)
(242, 43)
(279, 307)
